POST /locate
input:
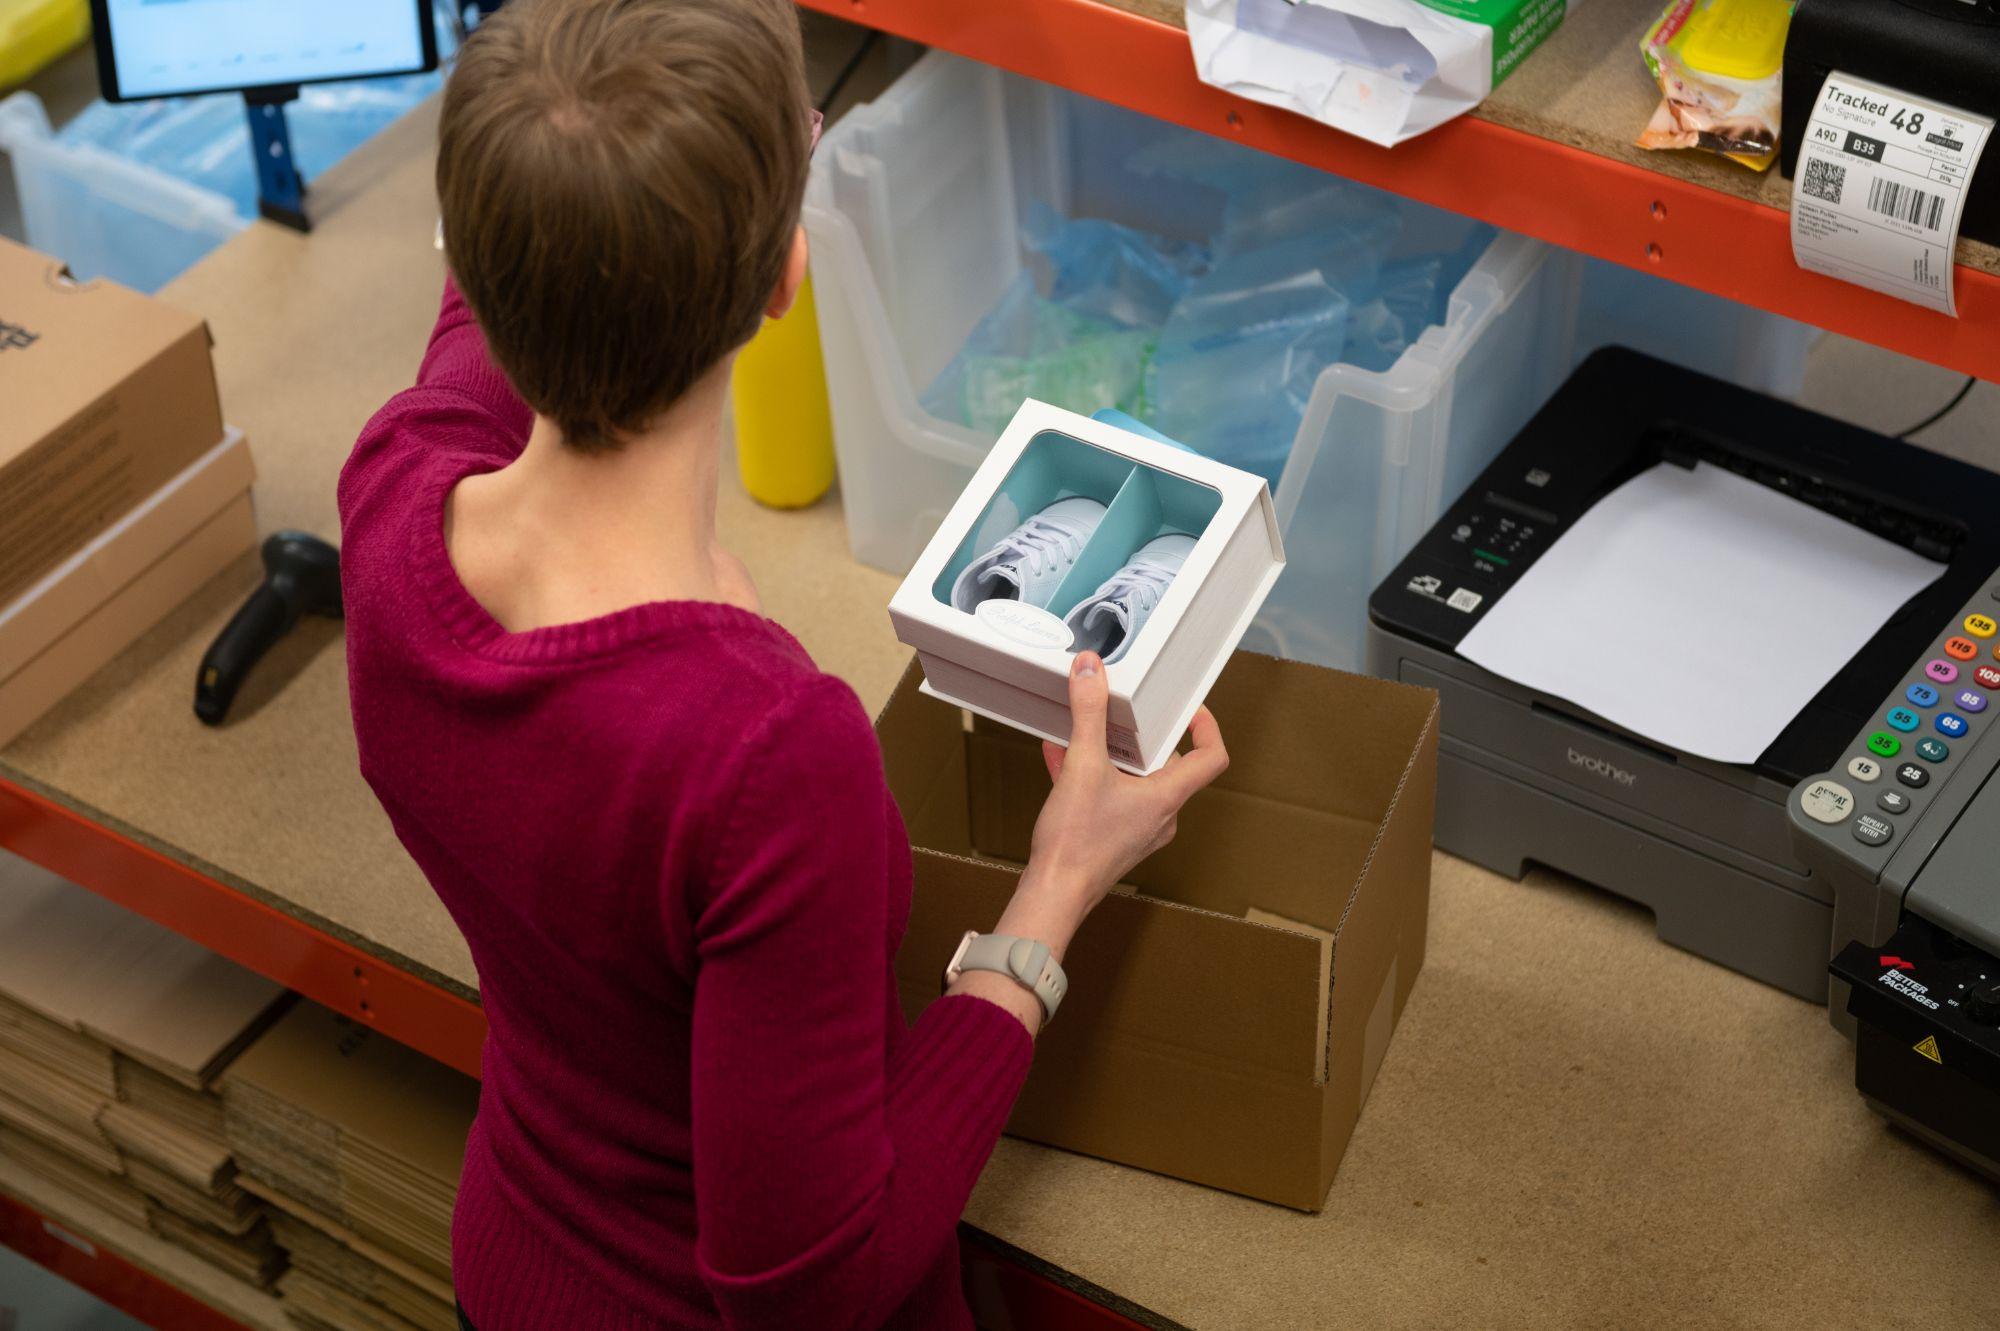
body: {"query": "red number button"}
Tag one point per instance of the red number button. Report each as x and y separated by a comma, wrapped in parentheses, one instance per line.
(1961, 649)
(1988, 677)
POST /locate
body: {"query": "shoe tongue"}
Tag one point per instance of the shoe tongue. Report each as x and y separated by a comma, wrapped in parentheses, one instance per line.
(1002, 582)
(1113, 609)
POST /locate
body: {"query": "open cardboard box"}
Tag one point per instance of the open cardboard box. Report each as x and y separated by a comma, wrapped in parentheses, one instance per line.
(1010, 661)
(1227, 1014)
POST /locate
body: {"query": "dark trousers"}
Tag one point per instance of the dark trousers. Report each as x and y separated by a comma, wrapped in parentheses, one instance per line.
(464, 1322)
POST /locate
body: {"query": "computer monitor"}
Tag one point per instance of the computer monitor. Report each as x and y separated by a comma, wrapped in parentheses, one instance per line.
(169, 48)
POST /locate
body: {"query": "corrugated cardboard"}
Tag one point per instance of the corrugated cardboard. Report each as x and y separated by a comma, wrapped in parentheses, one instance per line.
(109, 629)
(108, 395)
(362, 1130)
(92, 575)
(93, 967)
(1197, 1040)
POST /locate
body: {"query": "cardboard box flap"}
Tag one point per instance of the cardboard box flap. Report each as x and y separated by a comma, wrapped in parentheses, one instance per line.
(918, 735)
(69, 343)
(1315, 737)
(1306, 860)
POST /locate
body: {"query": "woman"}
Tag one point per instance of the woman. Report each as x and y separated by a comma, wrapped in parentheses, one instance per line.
(664, 833)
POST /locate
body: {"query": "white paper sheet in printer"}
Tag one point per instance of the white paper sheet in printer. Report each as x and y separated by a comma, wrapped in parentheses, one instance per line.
(1697, 609)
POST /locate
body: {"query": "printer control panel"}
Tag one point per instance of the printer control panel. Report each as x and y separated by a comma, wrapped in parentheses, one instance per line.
(1920, 735)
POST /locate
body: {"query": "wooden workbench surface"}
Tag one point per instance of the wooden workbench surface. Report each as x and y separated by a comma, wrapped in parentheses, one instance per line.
(1575, 1125)
(1587, 87)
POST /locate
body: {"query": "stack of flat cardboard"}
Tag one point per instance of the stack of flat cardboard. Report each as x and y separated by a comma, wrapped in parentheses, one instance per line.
(120, 490)
(357, 1142)
(100, 1000)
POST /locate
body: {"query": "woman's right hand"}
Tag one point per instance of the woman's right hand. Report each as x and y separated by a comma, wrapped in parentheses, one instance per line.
(1096, 825)
(1099, 822)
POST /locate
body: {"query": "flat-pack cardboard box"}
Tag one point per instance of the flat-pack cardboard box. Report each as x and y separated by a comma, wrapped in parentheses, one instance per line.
(107, 395)
(1010, 661)
(1226, 1016)
(80, 614)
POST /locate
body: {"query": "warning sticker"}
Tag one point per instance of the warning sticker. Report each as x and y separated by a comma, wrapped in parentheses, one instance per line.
(1928, 1048)
(1879, 188)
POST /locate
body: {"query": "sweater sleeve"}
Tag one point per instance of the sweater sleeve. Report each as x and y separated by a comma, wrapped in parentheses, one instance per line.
(460, 400)
(457, 362)
(831, 1161)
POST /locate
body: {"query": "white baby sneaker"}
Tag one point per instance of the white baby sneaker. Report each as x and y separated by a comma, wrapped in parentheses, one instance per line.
(1029, 562)
(1109, 618)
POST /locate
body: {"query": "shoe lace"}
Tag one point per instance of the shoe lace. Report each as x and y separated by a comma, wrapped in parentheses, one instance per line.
(1038, 540)
(1144, 576)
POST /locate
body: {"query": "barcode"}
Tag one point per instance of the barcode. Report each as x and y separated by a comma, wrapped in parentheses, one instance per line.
(1824, 179)
(1906, 203)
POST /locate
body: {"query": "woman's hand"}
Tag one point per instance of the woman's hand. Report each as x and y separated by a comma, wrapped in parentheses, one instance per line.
(1097, 824)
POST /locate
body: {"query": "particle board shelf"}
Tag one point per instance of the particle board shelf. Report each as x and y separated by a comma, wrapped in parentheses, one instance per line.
(1549, 154)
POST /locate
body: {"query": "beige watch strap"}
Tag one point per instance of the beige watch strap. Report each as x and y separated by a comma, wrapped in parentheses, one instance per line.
(1023, 960)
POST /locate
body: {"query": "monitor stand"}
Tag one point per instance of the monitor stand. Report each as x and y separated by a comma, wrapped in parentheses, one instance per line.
(281, 191)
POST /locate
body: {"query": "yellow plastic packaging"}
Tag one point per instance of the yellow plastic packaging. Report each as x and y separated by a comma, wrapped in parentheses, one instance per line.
(784, 428)
(34, 32)
(1720, 67)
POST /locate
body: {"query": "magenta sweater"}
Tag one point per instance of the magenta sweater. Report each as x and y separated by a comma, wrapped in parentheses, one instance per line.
(667, 838)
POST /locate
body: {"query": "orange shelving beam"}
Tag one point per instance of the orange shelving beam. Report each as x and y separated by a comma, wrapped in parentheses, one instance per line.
(103, 1274)
(283, 947)
(1612, 210)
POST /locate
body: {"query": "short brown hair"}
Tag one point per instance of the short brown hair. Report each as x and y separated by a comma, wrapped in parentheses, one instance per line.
(620, 182)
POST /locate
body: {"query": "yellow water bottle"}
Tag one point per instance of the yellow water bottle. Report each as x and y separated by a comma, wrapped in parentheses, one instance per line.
(784, 429)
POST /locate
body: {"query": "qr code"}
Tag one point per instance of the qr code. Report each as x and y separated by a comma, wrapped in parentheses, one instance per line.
(1824, 179)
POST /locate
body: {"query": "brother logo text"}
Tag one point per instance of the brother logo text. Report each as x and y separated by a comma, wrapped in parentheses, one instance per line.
(1599, 767)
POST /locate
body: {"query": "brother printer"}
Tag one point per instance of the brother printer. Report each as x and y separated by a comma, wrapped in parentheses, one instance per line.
(1526, 778)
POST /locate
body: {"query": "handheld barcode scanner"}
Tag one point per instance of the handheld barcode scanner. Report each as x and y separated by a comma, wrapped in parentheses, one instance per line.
(301, 576)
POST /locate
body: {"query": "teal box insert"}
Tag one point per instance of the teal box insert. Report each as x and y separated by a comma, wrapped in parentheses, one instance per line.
(1141, 503)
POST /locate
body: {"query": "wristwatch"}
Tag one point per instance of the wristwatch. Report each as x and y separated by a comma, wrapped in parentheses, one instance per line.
(1022, 960)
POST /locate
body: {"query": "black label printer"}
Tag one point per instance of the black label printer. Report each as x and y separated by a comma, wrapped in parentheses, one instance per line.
(1945, 50)
(1903, 824)
(1524, 777)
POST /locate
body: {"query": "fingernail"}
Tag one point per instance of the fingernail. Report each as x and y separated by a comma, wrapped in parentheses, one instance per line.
(1087, 665)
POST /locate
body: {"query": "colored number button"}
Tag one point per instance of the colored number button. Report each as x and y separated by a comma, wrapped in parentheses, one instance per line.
(1981, 626)
(1864, 769)
(1933, 750)
(1950, 724)
(1923, 695)
(1884, 745)
(1941, 671)
(1970, 701)
(1987, 677)
(1913, 776)
(1903, 719)
(1961, 649)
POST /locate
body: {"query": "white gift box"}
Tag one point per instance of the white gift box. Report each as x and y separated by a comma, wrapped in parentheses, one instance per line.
(1010, 661)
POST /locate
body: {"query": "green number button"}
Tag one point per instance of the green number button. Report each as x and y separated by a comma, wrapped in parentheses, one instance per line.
(1884, 745)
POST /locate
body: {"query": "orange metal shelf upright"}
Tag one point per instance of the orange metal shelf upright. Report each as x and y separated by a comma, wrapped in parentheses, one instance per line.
(1612, 210)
